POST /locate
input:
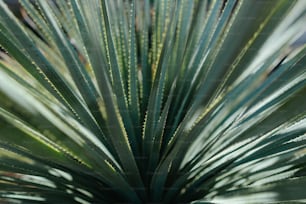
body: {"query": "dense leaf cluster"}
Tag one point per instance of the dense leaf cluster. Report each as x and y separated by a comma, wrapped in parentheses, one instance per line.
(152, 101)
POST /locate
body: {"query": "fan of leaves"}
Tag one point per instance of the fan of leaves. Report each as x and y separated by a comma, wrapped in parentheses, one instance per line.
(164, 101)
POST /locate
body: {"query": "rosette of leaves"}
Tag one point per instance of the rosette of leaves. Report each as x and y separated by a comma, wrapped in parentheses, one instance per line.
(163, 101)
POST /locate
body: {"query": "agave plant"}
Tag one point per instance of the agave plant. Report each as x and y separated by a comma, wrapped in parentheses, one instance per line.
(153, 101)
